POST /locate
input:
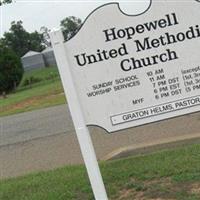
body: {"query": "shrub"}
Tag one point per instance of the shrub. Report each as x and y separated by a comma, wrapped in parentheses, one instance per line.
(11, 70)
(29, 81)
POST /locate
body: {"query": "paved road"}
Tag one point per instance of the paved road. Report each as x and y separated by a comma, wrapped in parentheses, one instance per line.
(36, 124)
(57, 120)
(45, 139)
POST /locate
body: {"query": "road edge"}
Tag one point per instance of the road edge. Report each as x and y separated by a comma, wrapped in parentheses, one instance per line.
(146, 148)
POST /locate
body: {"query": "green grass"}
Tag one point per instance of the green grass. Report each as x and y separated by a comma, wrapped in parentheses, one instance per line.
(44, 74)
(173, 174)
(47, 92)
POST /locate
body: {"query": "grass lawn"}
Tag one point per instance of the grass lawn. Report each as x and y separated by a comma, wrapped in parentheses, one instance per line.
(167, 175)
(43, 74)
(47, 92)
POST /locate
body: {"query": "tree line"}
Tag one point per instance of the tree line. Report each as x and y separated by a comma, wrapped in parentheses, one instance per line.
(21, 41)
(18, 41)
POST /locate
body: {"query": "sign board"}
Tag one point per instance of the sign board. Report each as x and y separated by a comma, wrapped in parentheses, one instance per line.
(122, 71)
(133, 70)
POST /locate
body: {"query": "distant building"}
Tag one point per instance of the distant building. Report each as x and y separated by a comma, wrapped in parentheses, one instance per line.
(32, 60)
(49, 57)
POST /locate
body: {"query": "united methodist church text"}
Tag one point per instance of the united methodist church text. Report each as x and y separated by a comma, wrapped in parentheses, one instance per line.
(147, 43)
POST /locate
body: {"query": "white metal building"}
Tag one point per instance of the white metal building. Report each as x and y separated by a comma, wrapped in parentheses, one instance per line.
(32, 60)
(49, 57)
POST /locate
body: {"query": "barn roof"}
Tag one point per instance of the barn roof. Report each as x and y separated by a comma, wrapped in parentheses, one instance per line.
(48, 49)
(31, 53)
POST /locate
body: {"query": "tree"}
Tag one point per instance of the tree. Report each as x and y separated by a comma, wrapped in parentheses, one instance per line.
(11, 70)
(20, 41)
(5, 1)
(35, 41)
(17, 38)
(45, 36)
(70, 26)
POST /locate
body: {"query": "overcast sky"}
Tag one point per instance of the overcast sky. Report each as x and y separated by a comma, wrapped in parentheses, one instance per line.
(38, 13)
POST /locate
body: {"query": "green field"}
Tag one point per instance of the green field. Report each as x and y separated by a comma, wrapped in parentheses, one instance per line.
(44, 92)
(167, 175)
(43, 74)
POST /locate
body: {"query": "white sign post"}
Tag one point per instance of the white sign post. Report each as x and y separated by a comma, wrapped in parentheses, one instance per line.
(121, 71)
(82, 131)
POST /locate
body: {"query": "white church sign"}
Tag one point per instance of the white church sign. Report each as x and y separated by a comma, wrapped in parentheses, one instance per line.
(126, 71)
(132, 70)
